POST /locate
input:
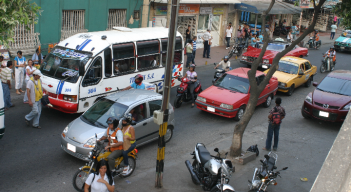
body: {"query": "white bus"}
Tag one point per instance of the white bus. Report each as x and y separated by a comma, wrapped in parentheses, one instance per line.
(87, 66)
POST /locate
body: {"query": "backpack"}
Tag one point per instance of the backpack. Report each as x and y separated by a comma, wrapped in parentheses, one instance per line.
(276, 117)
(254, 148)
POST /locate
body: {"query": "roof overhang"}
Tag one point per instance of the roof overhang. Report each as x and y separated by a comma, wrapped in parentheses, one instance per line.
(204, 1)
(259, 7)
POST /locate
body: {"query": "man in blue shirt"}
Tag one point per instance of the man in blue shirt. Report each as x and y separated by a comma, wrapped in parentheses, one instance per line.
(253, 40)
(194, 48)
(138, 83)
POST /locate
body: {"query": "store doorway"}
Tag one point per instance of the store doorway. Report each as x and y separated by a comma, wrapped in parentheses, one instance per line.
(216, 29)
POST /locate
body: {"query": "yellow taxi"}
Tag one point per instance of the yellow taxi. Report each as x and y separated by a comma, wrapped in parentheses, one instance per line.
(294, 72)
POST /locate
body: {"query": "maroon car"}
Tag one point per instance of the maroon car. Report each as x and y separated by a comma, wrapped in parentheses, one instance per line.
(331, 100)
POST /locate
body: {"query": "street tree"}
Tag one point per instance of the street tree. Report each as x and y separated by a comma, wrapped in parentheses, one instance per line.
(342, 10)
(255, 90)
(14, 12)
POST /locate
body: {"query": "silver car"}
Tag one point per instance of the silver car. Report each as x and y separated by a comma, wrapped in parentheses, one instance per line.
(78, 138)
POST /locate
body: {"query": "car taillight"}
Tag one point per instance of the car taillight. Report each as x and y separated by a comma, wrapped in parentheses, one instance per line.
(70, 98)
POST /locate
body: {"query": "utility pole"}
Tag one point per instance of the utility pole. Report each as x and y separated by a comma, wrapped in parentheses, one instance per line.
(163, 113)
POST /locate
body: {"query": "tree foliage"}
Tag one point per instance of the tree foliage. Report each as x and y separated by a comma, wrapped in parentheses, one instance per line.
(343, 10)
(14, 12)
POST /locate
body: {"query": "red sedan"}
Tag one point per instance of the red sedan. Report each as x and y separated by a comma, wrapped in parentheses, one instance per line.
(331, 100)
(272, 50)
(229, 95)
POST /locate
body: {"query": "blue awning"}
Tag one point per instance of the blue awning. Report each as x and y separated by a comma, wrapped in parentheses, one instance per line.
(246, 7)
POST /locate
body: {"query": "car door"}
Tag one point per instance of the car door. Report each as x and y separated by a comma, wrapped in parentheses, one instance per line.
(264, 93)
(308, 70)
(139, 115)
(301, 78)
(154, 128)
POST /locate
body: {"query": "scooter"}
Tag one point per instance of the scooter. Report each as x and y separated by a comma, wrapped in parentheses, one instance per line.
(310, 44)
(219, 72)
(183, 92)
(327, 64)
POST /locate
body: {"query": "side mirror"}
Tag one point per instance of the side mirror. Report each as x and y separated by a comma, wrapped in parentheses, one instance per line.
(301, 73)
(314, 84)
(216, 150)
(81, 69)
(285, 168)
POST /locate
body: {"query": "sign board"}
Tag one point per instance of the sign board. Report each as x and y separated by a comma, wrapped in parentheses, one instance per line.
(161, 10)
(308, 4)
(205, 10)
(218, 11)
(187, 9)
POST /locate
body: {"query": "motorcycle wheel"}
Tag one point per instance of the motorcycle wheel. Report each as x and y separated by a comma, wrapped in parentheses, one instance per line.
(79, 179)
(322, 68)
(132, 165)
(177, 101)
(169, 134)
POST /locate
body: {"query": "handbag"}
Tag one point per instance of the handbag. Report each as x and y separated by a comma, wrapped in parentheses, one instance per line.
(126, 143)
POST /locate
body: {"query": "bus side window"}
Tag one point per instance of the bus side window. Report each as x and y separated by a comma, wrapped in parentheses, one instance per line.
(108, 62)
(93, 75)
(123, 59)
(148, 54)
(177, 52)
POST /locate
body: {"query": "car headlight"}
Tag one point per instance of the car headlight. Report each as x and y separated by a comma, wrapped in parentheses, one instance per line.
(347, 107)
(244, 57)
(226, 106)
(90, 143)
(282, 84)
(266, 61)
(309, 99)
(201, 99)
(66, 129)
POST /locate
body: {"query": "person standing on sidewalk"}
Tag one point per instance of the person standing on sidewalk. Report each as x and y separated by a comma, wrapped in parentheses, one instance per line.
(246, 34)
(207, 37)
(189, 52)
(6, 75)
(228, 36)
(294, 31)
(20, 63)
(35, 93)
(333, 31)
(194, 49)
(29, 71)
(275, 117)
(239, 35)
(188, 34)
(37, 57)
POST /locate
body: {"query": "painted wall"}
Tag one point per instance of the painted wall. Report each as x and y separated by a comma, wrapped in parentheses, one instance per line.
(96, 15)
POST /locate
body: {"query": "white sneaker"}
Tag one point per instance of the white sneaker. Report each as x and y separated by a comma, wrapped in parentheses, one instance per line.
(126, 170)
(227, 48)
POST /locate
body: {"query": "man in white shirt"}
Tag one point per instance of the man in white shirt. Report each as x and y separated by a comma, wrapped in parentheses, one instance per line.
(333, 31)
(228, 36)
(225, 64)
(207, 37)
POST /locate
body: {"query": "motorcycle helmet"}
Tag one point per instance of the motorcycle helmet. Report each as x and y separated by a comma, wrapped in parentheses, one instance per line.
(316, 31)
(192, 66)
(127, 118)
(332, 48)
(138, 78)
(114, 121)
(225, 59)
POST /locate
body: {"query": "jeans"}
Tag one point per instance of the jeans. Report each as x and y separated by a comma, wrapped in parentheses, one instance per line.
(125, 154)
(25, 98)
(19, 76)
(239, 40)
(6, 94)
(332, 35)
(35, 113)
(206, 49)
(189, 59)
(246, 42)
(112, 158)
(228, 41)
(272, 129)
(191, 90)
(194, 53)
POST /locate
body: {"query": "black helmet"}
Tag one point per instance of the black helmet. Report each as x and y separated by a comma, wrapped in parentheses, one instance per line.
(226, 58)
(316, 31)
(128, 118)
(193, 66)
(112, 120)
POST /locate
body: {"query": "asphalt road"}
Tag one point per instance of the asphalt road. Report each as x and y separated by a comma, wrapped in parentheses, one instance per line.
(32, 160)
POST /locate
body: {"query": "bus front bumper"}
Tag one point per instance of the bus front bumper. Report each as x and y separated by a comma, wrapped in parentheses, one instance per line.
(64, 106)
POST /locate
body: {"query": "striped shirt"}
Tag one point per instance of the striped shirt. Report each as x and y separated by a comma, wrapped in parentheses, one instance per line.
(194, 45)
(5, 75)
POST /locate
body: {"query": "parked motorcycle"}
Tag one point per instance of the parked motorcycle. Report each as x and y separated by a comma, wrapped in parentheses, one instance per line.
(237, 50)
(265, 175)
(327, 64)
(98, 153)
(211, 172)
(183, 92)
(280, 30)
(310, 44)
(219, 72)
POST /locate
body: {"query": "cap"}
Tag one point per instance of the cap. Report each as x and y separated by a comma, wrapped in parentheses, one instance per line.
(37, 72)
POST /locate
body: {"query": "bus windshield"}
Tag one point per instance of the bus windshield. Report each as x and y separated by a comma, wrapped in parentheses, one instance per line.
(63, 64)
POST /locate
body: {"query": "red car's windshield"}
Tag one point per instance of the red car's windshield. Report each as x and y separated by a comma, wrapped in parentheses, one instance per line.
(335, 85)
(233, 83)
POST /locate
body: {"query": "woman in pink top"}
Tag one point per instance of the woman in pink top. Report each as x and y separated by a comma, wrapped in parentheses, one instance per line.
(191, 75)
(239, 35)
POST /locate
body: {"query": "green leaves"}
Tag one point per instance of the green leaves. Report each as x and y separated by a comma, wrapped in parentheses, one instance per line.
(14, 12)
(342, 10)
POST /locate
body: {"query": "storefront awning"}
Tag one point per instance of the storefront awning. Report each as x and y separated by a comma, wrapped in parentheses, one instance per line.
(278, 7)
(204, 1)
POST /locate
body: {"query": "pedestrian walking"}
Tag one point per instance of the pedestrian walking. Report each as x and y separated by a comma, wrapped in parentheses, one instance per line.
(102, 180)
(294, 31)
(230, 25)
(207, 37)
(37, 57)
(188, 34)
(275, 117)
(189, 52)
(289, 37)
(228, 36)
(29, 71)
(335, 18)
(239, 35)
(20, 63)
(6, 75)
(194, 48)
(333, 30)
(35, 93)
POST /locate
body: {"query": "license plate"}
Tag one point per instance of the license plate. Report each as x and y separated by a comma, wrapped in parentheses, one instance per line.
(211, 109)
(323, 114)
(71, 147)
(264, 67)
(342, 47)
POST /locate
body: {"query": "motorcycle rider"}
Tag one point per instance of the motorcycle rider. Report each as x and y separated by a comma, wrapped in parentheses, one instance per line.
(138, 83)
(191, 75)
(316, 39)
(225, 64)
(115, 141)
(332, 54)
